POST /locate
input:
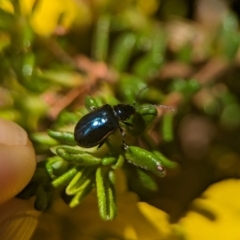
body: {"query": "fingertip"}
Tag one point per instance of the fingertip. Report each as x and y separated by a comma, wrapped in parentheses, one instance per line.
(12, 134)
(17, 159)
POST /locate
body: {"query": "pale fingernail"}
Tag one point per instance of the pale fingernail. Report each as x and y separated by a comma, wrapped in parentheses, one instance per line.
(12, 134)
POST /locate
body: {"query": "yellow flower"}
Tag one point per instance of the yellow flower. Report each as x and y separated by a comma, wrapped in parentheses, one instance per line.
(46, 16)
(6, 5)
(136, 220)
(216, 214)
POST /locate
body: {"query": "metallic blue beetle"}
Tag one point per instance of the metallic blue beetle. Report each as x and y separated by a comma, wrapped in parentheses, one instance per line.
(97, 125)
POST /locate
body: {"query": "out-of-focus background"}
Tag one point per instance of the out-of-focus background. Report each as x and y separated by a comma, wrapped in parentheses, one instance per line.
(54, 53)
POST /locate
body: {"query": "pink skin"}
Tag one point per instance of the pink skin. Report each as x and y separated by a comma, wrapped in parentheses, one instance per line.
(17, 159)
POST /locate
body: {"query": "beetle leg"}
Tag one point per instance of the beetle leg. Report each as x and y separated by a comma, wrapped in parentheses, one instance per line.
(128, 124)
(100, 144)
(125, 146)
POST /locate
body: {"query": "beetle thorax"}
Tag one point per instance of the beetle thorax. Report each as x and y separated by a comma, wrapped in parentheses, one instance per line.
(123, 111)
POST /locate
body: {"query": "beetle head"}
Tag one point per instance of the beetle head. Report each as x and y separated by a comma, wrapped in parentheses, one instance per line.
(124, 111)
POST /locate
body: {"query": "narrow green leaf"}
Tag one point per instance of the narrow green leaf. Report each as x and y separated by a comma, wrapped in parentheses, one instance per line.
(65, 178)
(167, 127)
(108, 160)
(111, 198)
(79, 181)
(145, 159)
(101, 194)
(122, 51)
(79, 196)
(56, 160)
(119, 162)
(100, 46)
(85, 159)
(63, 137)
(42, 199)
(90, 103)
(165, 161)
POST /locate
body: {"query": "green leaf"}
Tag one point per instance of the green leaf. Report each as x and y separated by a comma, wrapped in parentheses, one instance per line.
(145, 159)
(63, 137)
(108, 160)
(101, 194)
(123, 50)
(79, 196)
(42, 199)
(65, 178)
(82, 179)
(100, 46)
(77, 157)
(167, 127)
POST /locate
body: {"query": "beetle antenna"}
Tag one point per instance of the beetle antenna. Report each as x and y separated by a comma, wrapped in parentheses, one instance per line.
(160, 106)
(138, 95)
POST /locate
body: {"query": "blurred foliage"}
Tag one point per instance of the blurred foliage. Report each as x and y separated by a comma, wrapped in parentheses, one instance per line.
(55, 53)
